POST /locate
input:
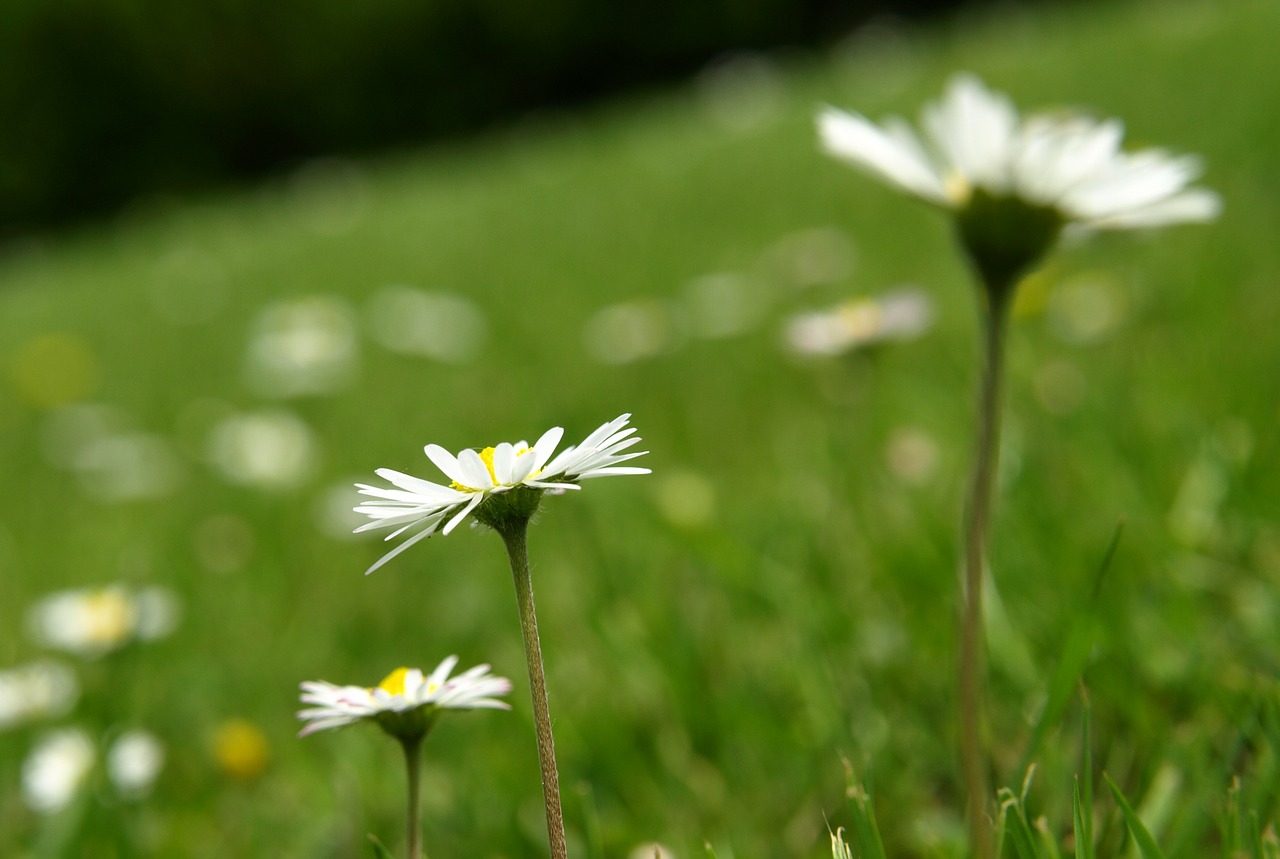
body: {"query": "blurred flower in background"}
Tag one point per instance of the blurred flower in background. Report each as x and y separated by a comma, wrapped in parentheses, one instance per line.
(54, 369)
(653, 850)
(440, 325)
(40, 690)
(113, 460)
(302, 346)
(133, 763)
(56, 769)
(632, 331)
(90, 622)
(406, 702)
(902, 314)
(976, 145)
(267, 449)
(240, 749)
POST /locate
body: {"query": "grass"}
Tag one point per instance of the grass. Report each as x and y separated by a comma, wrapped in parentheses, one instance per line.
(774, 595)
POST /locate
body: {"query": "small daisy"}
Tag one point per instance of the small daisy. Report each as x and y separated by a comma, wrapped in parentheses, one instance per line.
(93, 621)
(57, 769)
(134, 761)
(975, 141)
(37, 691)
(488, 475)
(406, 703)
(902, 314)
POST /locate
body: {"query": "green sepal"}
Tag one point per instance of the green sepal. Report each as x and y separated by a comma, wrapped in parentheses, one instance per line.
(1004, 237)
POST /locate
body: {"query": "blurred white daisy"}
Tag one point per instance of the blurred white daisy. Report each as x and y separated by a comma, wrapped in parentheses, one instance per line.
(976, 142)
(902, 314)
(56, 769)
(268, 449)
(489, 474)
(36, 691)
(303, 346)
(406, 703)
(134, 761)
(93, 621)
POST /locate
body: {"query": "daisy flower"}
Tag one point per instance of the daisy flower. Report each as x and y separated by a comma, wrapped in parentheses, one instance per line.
(406, 703)
(1015, 183)
(975, 140)
(93, 621)
(57, 769)
(510, 476)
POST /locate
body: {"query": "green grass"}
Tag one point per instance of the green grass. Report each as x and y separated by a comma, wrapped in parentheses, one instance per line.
(706, 673)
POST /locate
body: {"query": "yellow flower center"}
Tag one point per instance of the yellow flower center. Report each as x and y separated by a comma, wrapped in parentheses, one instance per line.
(958, 189)
(393, 683)
(108, 617)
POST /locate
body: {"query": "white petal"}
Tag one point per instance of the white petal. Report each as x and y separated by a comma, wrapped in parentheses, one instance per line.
(504, 458)
(975, 129)
(416, 538)
(1132, 182)
(1192, 205)
(525, 465)
(423, 488)
(546, 445)
(471, 505)
(850, 137)
(441, 672)
(474, 472)
(446, 462)
(605, 472)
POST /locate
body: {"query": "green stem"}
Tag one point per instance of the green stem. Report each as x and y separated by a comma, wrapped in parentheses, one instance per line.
(413, 767)
(977, 525)
(517, 550)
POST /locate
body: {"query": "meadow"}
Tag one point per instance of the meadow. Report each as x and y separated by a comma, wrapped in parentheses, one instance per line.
(188, 393)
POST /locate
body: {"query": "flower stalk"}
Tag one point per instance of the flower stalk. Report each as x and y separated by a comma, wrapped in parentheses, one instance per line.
(978, 514)
(413, 769)
(514, 531)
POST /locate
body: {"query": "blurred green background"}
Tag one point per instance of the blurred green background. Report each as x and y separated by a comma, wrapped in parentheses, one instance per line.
(106, 102)
(189, 390)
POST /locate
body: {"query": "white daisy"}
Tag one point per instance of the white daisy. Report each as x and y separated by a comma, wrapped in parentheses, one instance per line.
(94, 621)
(974, 141)
(406, 702)
(55, 771)
(134, 761)
(901, 314)
(415, 503)
(36, 691)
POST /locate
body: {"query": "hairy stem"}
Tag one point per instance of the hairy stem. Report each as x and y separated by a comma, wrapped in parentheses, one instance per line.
(515, 535)
(972, 671)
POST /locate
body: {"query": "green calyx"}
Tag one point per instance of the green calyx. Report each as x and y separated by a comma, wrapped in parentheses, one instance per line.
(1004, 237)
(408, 726)
(503, 511)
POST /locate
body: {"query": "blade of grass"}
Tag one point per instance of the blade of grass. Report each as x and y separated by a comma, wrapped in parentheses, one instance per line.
(1084, 845)
(1048, 843)
(1013, 821)
(866, 833)
(1231, 831)
(1080, 639)
(380, 850)
(1084, 785)
(1141, 836)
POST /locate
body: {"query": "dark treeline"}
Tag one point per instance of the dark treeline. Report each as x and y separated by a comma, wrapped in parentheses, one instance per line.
(105, 100)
